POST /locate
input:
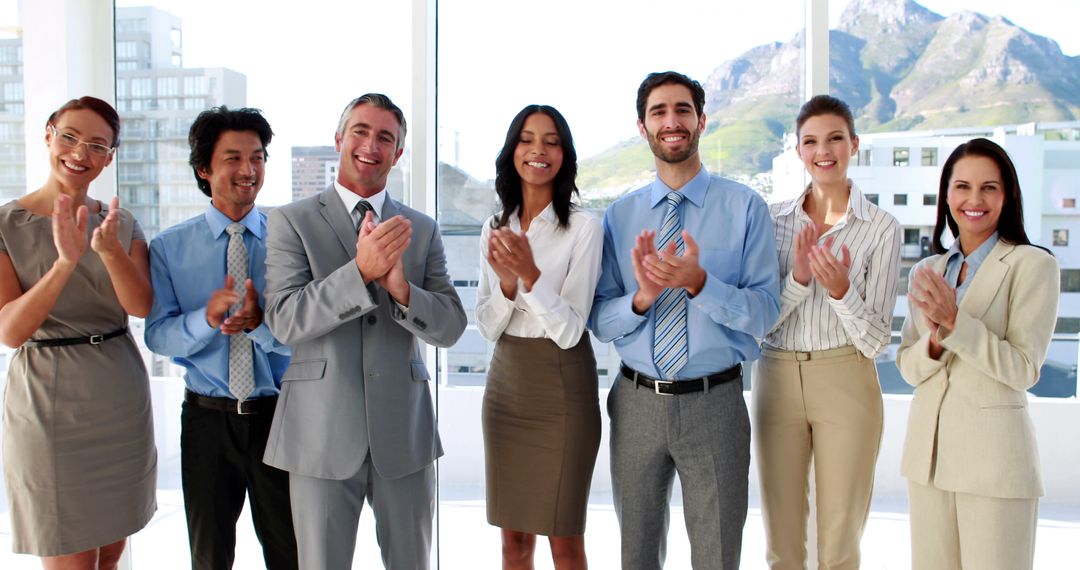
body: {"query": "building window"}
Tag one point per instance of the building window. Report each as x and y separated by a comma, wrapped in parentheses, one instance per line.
(1068, 202)
(1067, 325)
(929, 199)
(911, 236)
(1061, 238)
(1070, 280)
(872, 198)
(929, 157)
(899, 199)
(901, 156)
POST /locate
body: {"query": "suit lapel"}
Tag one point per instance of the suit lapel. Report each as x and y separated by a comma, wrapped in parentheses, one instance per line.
(333, 211)
(984, 286)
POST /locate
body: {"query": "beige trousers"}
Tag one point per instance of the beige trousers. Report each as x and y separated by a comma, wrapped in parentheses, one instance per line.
(826, 405)
(953, 531)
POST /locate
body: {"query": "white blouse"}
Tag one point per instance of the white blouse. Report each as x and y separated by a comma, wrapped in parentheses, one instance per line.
(558, 305)
(810, 319)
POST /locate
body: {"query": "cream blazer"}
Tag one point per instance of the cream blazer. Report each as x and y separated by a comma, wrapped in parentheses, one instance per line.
(972, 403)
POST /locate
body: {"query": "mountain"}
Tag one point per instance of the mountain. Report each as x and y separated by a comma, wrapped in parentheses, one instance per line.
(899, 65)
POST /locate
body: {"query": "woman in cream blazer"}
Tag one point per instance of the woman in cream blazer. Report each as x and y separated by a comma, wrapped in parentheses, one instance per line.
(980, 318)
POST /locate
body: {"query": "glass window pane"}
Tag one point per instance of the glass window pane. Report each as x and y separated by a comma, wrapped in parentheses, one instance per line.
(753, 82)
(196, 57)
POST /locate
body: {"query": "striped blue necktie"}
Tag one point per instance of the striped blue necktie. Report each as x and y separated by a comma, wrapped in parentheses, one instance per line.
(670, 351)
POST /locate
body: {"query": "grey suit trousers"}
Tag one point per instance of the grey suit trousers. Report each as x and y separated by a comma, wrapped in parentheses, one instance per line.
(326, 513)
(702, 436)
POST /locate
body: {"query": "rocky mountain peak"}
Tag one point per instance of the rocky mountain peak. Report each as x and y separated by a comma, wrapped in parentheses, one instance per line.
(864, 18)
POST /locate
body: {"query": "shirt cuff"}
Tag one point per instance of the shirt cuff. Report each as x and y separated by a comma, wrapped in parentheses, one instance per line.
(850, 304)
(196, 325)
(541, 298)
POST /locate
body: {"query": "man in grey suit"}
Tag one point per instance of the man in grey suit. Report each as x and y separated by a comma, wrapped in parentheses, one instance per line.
(353, 281)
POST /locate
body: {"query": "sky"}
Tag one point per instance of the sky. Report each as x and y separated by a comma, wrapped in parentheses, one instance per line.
(584, 57)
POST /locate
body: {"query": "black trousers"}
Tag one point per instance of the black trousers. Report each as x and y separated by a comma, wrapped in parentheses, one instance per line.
(221, 462)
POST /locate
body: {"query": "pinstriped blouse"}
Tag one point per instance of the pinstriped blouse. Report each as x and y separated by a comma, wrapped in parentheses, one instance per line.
(812, 320)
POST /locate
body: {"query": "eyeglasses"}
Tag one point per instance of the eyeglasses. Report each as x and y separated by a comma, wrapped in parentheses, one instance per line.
(71, 141)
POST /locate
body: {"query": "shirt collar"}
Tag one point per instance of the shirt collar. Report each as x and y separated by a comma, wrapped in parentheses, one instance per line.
(218, 221)
(977, 257)
(350, 198)
(857, 202)
(546, 215)
(694, 190)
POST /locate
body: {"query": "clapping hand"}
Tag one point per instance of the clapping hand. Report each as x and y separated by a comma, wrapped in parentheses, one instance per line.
(249, 316)
(830, 272)
(805, 240)
(672, 271)
(380, 247)
(106, 238)
(512, 253)
(932, 295)
(69, 229)
(221, 301)
(648, 290)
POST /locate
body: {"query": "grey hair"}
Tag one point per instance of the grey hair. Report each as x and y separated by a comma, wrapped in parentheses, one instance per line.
(375, 100)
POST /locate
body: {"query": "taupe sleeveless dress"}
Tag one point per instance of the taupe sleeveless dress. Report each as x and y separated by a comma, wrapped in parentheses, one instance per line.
(78, 436)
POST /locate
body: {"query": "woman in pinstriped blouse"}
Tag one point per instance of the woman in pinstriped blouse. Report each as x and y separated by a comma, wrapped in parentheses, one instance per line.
(815, 389)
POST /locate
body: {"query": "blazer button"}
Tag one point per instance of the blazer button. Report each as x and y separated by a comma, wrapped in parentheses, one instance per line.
(371, 319)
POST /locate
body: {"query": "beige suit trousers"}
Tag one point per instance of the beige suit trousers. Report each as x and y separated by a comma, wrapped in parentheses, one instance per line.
(954, 531)
(826, 405)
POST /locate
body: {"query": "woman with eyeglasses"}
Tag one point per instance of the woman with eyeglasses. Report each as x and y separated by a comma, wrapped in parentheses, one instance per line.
(78, 438)
(980, 317)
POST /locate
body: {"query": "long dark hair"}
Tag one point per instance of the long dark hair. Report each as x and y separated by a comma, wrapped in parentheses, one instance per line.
(508, 181)
(1011, 222)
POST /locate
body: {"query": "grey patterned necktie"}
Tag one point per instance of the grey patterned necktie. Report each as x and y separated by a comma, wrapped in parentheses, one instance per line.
(362, 208)
(241, 368)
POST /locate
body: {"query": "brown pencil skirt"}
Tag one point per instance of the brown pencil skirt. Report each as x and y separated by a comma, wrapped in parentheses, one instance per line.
(541, 419)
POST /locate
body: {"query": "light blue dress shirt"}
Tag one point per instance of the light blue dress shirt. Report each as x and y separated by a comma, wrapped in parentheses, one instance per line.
(954, 260)
(740, 301)
(187, 264)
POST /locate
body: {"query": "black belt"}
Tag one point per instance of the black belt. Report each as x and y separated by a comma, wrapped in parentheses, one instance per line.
(670, 388)
(92, 339)
(264, 405)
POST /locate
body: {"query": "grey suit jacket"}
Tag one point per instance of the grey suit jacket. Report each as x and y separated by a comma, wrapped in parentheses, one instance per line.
(357, 382)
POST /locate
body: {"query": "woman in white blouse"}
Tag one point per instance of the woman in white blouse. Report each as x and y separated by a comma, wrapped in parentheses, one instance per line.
(815, 389)
(541, 413)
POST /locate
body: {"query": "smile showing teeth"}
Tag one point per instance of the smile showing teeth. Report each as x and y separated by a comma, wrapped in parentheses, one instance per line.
(75, 167)
(247, 184)
(538, 164)
(974, 213)
(825, 163)
(365, 160)
(673, 138)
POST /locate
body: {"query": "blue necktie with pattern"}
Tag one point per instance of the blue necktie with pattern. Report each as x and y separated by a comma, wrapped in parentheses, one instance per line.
(670, 351)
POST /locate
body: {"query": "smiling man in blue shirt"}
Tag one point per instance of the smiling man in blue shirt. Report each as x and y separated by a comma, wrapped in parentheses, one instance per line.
(207, 274)
(689, 282)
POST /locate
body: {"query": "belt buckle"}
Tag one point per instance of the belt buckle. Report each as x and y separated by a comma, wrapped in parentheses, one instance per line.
(802, 356)
(656, 387)
(97, 338)
(240, 409)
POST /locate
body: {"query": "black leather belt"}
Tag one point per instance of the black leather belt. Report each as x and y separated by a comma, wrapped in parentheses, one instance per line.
(670, 388)
(92, 339)
(264, 405)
